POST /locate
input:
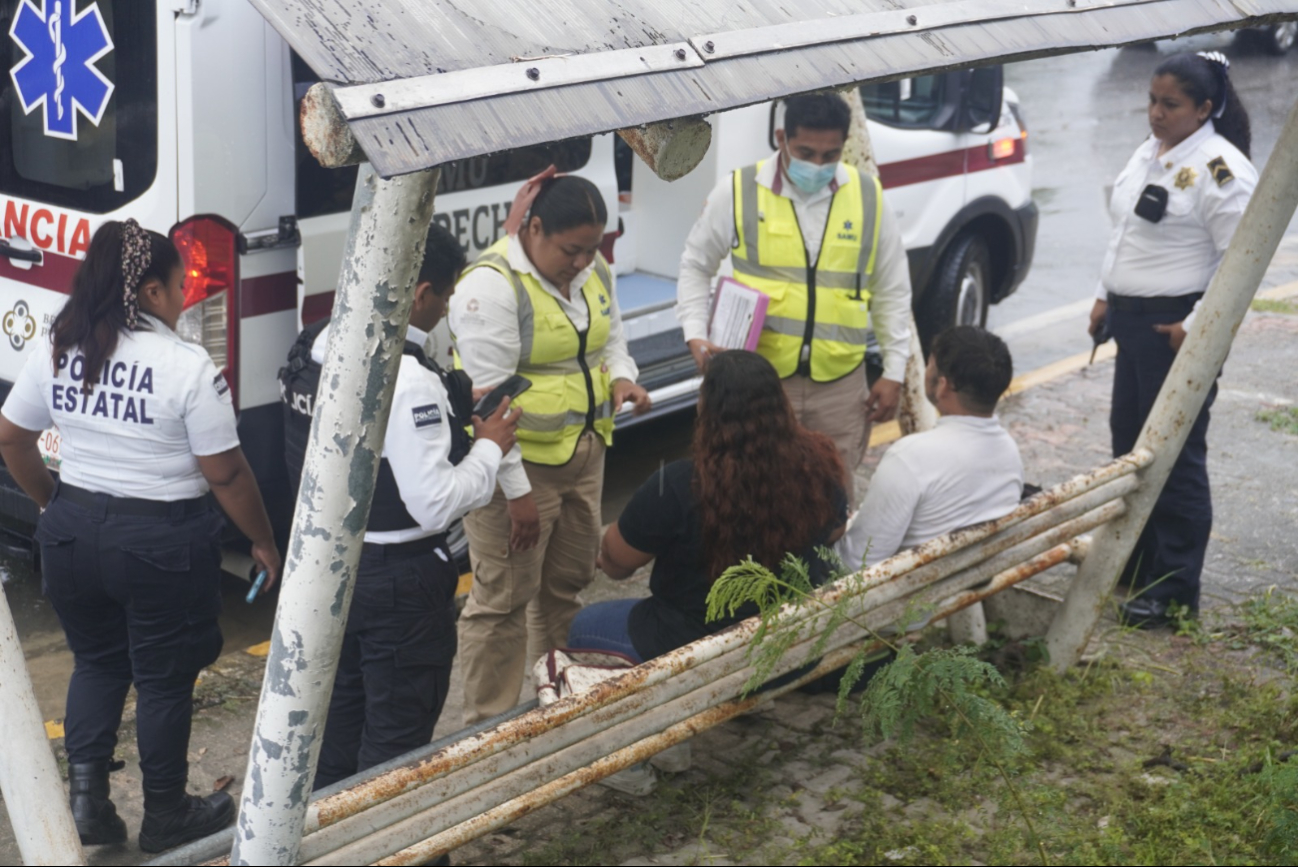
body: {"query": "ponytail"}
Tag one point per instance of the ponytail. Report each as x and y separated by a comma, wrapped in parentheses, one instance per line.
(1204, 76)
(1233, 125)
(94, 316)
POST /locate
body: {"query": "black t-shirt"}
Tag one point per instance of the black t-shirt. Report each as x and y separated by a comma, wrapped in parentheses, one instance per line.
(662, 519)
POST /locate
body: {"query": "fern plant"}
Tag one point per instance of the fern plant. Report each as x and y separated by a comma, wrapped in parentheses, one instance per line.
(943, 683)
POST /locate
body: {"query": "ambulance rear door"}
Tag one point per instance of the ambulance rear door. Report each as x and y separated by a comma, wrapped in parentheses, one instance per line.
(87, 118)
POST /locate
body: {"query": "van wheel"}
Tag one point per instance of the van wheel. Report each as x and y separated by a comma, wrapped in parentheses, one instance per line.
(960, 289)
(1279, 38)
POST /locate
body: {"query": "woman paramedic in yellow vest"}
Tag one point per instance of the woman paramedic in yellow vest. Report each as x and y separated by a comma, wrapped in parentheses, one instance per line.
(540, 304)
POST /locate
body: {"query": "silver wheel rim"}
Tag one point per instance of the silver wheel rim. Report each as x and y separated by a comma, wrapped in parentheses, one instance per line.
(969, 303)
(1284, 35)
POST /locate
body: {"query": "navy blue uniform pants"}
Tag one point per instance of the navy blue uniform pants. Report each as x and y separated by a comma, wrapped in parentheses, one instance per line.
(395, 667)
(1168, 559)
(138, 598)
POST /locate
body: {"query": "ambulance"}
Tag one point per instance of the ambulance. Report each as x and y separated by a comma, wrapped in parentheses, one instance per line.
(182, 114)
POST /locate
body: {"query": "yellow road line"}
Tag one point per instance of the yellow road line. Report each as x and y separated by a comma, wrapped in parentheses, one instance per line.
(1275, 293)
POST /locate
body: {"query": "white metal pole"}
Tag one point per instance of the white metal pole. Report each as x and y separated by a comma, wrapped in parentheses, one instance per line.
(385, 244)
(915, 414)
(29, 778)
(1192, 375)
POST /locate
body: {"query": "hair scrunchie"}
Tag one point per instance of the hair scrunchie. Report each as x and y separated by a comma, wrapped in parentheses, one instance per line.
(1220, 66)
(137, 255)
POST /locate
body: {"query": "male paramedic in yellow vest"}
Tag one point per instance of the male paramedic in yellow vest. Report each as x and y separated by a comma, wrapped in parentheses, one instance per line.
(542, 304)
(816, 237)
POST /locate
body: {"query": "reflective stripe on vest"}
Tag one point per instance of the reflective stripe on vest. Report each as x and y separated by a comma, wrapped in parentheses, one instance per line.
(770, 255)
(565, 380)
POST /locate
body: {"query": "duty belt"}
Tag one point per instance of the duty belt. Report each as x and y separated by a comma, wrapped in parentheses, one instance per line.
(131, 506)
(1157, 304)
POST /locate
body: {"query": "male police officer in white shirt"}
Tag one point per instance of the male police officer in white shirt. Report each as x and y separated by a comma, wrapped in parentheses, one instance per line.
(964, 471)
(850, 257)
(395, 667)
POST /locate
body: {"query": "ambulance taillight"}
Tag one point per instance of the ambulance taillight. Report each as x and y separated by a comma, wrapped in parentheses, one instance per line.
(209, 251)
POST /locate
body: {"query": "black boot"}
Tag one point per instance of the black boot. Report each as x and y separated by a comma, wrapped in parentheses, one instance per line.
(92, 810)
(172, 817)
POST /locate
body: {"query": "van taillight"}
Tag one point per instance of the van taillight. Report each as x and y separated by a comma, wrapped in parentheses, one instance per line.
(209, 252)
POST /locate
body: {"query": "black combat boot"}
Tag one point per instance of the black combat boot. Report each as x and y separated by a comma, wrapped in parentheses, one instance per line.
(92, 810)
(173, 818)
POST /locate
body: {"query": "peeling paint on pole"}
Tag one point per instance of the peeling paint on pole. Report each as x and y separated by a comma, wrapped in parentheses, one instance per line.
(385, 244)
(29, 778)
(1181, 398)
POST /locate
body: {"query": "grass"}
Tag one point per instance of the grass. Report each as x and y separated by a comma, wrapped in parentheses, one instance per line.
(1274, 305)
(1165, 749)
(1282, 419)
(1126, 762)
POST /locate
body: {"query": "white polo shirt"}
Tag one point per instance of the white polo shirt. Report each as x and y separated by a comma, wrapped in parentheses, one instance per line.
(964, 471)
(1209, 184)
(159, 403)
(484, 323)
(417, 446)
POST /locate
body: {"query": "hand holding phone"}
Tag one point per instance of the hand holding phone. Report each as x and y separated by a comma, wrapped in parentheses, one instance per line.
(512, 388)
(256, 587)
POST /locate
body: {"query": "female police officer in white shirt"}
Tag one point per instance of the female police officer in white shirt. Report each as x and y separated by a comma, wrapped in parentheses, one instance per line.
(130, 547)
(1175, 207)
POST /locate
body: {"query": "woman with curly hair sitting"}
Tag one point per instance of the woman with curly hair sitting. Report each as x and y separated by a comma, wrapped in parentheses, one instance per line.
(759, 484)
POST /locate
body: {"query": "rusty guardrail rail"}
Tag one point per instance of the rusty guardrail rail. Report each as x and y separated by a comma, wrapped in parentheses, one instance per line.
(441, 799)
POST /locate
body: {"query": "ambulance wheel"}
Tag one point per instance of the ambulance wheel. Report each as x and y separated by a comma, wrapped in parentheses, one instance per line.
(1279, 38)
(958, 294)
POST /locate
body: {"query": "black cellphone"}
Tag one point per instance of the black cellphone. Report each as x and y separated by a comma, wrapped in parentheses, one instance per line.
(1152, 203)
(512, 387)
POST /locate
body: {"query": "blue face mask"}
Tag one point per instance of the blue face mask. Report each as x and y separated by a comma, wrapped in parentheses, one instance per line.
(809, 177)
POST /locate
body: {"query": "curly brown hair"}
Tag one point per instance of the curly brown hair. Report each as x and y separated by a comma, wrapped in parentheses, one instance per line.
(763, 483)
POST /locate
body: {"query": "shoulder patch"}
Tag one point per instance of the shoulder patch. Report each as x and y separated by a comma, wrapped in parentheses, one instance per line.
(427, 415)
(1221, 173)
(222, 387)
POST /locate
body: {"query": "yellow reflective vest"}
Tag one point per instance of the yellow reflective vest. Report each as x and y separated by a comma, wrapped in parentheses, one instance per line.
(817, 319)
(571, 390)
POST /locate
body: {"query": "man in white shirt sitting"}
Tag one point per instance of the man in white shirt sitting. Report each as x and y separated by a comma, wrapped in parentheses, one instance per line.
(964, 471)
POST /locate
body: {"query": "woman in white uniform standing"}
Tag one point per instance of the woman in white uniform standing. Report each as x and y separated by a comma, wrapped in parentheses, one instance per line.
(130, 546)
(1175, 208)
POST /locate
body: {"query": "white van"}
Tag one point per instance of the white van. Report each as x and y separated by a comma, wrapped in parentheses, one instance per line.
(182, 114)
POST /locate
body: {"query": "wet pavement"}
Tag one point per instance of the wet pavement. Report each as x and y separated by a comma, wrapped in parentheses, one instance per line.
(1086, 114)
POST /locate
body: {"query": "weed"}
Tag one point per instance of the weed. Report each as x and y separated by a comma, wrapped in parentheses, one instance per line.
(1274, 305)
(1283, 419)
(942, 683)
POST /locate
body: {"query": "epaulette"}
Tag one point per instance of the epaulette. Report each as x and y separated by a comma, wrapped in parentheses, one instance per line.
(1221, 173)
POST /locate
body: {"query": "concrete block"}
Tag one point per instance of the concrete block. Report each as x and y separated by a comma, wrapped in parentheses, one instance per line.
(1024, 611)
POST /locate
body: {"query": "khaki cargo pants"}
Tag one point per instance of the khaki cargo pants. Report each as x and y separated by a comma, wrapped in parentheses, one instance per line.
(836, 409)
(522, 602)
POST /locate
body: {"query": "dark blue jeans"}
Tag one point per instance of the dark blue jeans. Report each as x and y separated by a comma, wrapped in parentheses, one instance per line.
(603, 626)
(1167, 562)
(395, 668)
(138, 598)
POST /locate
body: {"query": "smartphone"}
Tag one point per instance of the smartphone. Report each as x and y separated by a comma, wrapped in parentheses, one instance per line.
(256, 587)
(511, 388)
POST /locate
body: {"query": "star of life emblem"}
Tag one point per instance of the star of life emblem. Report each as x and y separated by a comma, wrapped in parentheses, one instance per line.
(58, 72)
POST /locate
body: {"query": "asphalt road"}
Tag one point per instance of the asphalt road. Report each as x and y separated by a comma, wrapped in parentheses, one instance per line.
(1086, 113)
